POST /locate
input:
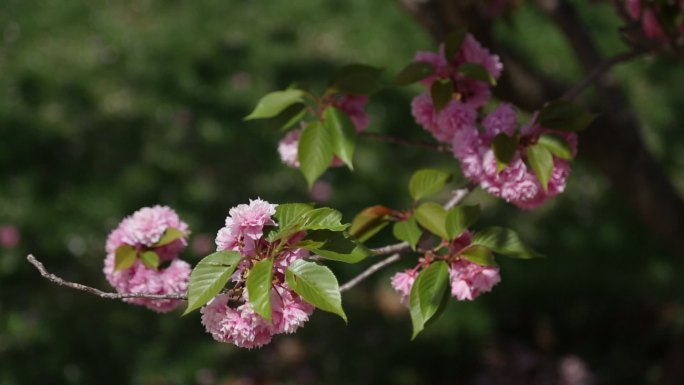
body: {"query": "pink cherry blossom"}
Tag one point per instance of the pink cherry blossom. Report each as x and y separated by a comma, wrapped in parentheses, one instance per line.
(141, 279)
(141, 231)
(244, 227)
(469, 280)
(633, 8)
(651, 26)
(288, 148)
(402, 282)
(9, 236)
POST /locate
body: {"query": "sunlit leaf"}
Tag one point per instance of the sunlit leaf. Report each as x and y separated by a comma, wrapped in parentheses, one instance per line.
(210, 276)
(124, 257)
(317, 285)
(432, 216)
(407, 231)
(425, 182)
(258, 285)
(315, 151)
(427, 293)
(541, 161)
(460, 218)
(343, 134)
(274, 103)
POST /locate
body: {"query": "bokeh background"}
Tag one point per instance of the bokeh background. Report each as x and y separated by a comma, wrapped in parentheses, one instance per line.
(108, 106)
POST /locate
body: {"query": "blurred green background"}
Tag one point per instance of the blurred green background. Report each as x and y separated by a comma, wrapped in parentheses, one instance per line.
(108, 106)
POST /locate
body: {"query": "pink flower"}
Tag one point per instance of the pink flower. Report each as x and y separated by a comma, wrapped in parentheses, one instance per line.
(517, 183)
(443, 125)
(141, 279)
(145, 227)
(402, 282)
(354, 106)
(244, 227)
(142, 230)
(9, 236)
(469, 280)
(633, 8)
(291, 310)
(240, 326)
(473, 52)
(288, 148)
(651, 25)
(501, 120)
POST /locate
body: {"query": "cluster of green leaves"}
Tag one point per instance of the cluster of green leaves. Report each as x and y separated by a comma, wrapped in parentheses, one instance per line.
(324, 235)
(329, 132)
(126, 255)
(429, 292)
(559, 115)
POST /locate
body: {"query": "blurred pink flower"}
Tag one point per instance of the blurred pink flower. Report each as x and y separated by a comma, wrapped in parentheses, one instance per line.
(9, 236)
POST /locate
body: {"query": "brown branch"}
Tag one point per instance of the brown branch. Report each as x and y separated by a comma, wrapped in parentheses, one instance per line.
(102, 294)
(599, 70)
(406, 142)
(370, 271)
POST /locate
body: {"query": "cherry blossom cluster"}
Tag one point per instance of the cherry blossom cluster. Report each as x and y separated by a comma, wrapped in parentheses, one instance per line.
(457, 124)
(353, 105)
(142, 231)
(468, 280)
(655, 18)
(231, 319)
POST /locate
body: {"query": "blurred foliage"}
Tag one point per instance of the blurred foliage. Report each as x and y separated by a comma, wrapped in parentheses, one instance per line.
(108, 106)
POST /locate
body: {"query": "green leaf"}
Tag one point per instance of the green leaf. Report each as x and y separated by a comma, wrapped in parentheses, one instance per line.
(323, 218)
(124, 257)
(562, 115)
(504, 148)
(432, 216)
(336, 246)
(427, 294)
(407, 231)
(369, 222)
(460, 218)
(150, 259)
(442, 91)
(414, 72)
(556, 145)
(425, 182)
(503, 241)
(315, 151)
(541, 161)
(288, 213)
(356, 79)
(287, 118)
(343, 134)
(476, 71)
(274, 103)
(210, 276)
(479, 254)
(317, 285)
(290, 217)
(453, 43)
(170, 235)
(259, 287)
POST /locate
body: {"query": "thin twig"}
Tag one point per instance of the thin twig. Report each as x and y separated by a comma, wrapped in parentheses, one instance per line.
(599, 70)
(457, 197)
(406, 142)
(102, 294)
(370, 271)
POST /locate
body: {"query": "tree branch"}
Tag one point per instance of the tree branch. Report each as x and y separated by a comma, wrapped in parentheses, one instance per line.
(102, 294)
(370, 271)
(396, 249)
(599, 70)
(406, 142)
